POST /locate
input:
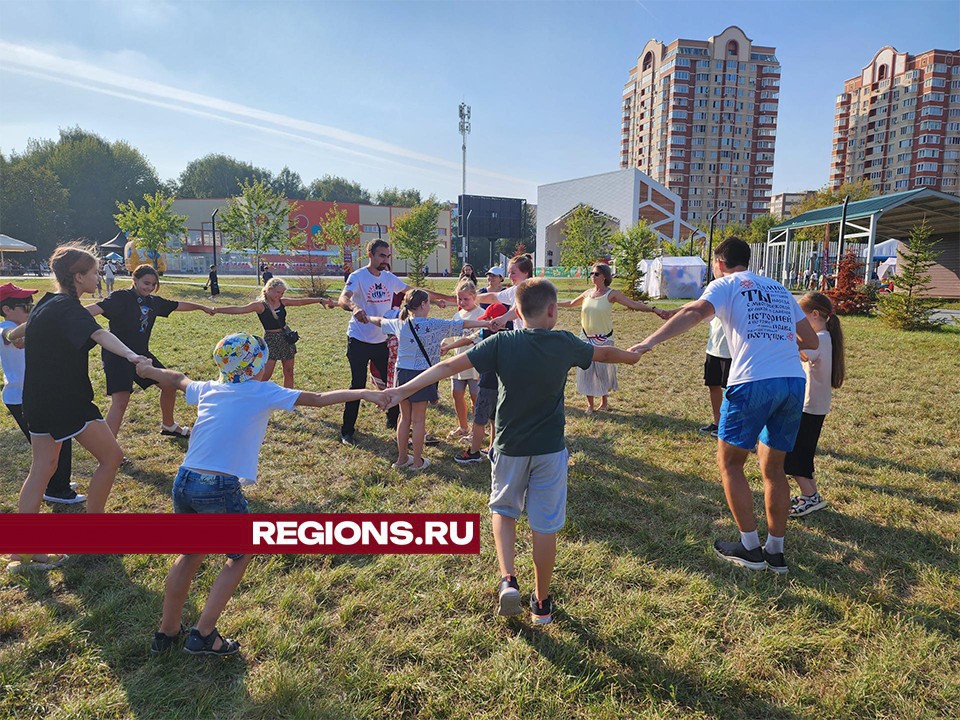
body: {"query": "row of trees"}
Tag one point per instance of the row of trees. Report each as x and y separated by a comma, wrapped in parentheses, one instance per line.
(56, 190)
(260, 218)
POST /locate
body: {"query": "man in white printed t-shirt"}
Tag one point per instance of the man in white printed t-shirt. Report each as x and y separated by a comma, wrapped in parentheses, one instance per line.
(367, 293)
(763, 325)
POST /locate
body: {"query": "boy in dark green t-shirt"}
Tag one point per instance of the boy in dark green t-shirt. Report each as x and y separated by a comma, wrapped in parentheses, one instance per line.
(529, 460)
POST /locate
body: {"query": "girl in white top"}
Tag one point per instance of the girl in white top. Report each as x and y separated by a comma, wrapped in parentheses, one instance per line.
(518, 270)
(468, 379)
(419, 348)
(824, 368)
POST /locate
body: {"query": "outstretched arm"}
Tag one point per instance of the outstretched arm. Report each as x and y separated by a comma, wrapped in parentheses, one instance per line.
(110, 342)
(618, 297)
(611, 354)
(94, 309)
(501, 322)
(346, 302)
(686, 318)
(183, 306)
(256, 306)
(295, 302)
(576, 302)
(165, 378)
(438, 372)
(334, 397)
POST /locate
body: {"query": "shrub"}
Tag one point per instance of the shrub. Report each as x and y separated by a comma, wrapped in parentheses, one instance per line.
(849, 297)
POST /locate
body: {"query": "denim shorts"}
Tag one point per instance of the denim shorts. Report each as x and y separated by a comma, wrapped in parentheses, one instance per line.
(205, 494)
(765, 410)
(537, 481)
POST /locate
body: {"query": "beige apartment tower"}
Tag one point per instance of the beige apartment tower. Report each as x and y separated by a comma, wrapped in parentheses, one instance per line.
(897, 123)
(700, 117)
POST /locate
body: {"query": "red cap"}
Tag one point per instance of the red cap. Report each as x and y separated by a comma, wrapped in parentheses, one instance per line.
(15, 292)
(494, 311)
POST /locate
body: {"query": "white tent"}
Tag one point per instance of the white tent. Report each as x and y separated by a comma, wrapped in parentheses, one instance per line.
(645, 267)
(882, 250)
(888, 266)
(676, 277)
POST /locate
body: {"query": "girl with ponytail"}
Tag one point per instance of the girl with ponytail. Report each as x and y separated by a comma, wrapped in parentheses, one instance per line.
(419, 339)
(57, 394)
(825, 369)
(520, 268)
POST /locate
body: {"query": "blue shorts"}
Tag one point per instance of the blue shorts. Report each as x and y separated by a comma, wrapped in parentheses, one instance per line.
(204, 494)
(765, 410)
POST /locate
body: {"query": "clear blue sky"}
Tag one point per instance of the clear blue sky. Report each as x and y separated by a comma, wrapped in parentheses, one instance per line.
(370, 90)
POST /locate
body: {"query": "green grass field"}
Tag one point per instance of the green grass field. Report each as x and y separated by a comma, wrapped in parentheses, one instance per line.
(650, 623)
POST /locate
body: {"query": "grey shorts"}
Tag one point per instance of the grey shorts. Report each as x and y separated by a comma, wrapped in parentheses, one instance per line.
(461, 385)
(485, 409)
(539, 481)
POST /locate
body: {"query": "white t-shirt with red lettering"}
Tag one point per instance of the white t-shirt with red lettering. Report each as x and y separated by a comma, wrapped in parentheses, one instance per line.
(374, 295)
(759, 317)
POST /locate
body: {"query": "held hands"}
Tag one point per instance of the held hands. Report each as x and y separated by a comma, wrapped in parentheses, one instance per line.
(19, 343)
(144, 365)
(209, 310)
(393, 397)
(328, 303)
(379, 399)
(440, 303)
(640, 349)
(664, 314)
(360, 316)
(497, 324)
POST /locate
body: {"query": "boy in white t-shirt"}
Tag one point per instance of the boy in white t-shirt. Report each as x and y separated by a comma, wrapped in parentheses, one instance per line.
(763, 325)
(224, 450)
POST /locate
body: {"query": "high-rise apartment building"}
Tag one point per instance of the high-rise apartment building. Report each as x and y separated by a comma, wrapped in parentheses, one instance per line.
(897, 124)
(782, 205)
(700, 117)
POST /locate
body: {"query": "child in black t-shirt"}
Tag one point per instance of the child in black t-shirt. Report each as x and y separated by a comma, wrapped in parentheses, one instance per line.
(57, 394)
(132, 314)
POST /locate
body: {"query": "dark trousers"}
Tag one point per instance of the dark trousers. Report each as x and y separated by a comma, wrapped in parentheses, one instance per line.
(60, 482)
(360, 355)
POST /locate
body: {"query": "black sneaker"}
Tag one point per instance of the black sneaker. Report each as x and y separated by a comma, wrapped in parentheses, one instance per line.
(164, 643)
(197, 644)
(710, 429)
(508, 593)
(736, 553)
(66, 497)
(542, 611)
(347, 439)
(776, 563)
(467, 457)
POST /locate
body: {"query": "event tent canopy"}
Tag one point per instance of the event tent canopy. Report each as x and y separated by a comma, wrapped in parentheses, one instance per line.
(9, 244)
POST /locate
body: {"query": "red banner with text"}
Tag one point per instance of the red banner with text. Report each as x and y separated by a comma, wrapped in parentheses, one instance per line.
(357, 534)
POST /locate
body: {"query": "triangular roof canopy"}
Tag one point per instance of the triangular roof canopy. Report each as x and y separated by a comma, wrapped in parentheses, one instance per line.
(897, 213)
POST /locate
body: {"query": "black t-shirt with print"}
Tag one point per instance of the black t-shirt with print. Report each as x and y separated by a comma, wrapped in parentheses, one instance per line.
(56, 380)
(132, 316)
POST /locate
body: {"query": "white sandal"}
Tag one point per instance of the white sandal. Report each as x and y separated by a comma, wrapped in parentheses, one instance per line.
(175, 430)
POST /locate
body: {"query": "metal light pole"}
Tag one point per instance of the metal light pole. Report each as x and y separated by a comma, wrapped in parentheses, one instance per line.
(213, 221)
(710, 247)
(464, 131)
(843, 228)
(466, 237)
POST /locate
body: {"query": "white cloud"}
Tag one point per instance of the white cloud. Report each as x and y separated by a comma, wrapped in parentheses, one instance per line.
(30, 61)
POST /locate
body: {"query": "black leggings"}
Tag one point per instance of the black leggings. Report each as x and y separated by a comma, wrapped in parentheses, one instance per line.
(60, 482)
(360, 354)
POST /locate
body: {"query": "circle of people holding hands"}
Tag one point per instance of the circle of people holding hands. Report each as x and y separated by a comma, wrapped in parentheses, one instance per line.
(771, 363)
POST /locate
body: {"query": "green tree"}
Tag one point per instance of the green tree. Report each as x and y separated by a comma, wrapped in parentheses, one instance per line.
(289, 184)
(415, 238)
(98, 174)
(217, 176)
(909, 307)
(152, 223)
(258, 219)
(757, 230)
(336, 231)
(399, 198)
(586, 237)
(630, 246)
(34, 206)
(337, 189)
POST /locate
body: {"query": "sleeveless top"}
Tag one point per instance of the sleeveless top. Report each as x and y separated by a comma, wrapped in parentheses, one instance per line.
(596, 315)
(268, 321)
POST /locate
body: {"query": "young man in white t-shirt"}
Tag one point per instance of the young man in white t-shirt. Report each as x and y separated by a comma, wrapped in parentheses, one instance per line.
(763, 325)
(369, 292)
(223, 456)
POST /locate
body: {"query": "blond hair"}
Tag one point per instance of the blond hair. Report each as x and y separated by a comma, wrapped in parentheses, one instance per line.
(270, 285)
(68, 260)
